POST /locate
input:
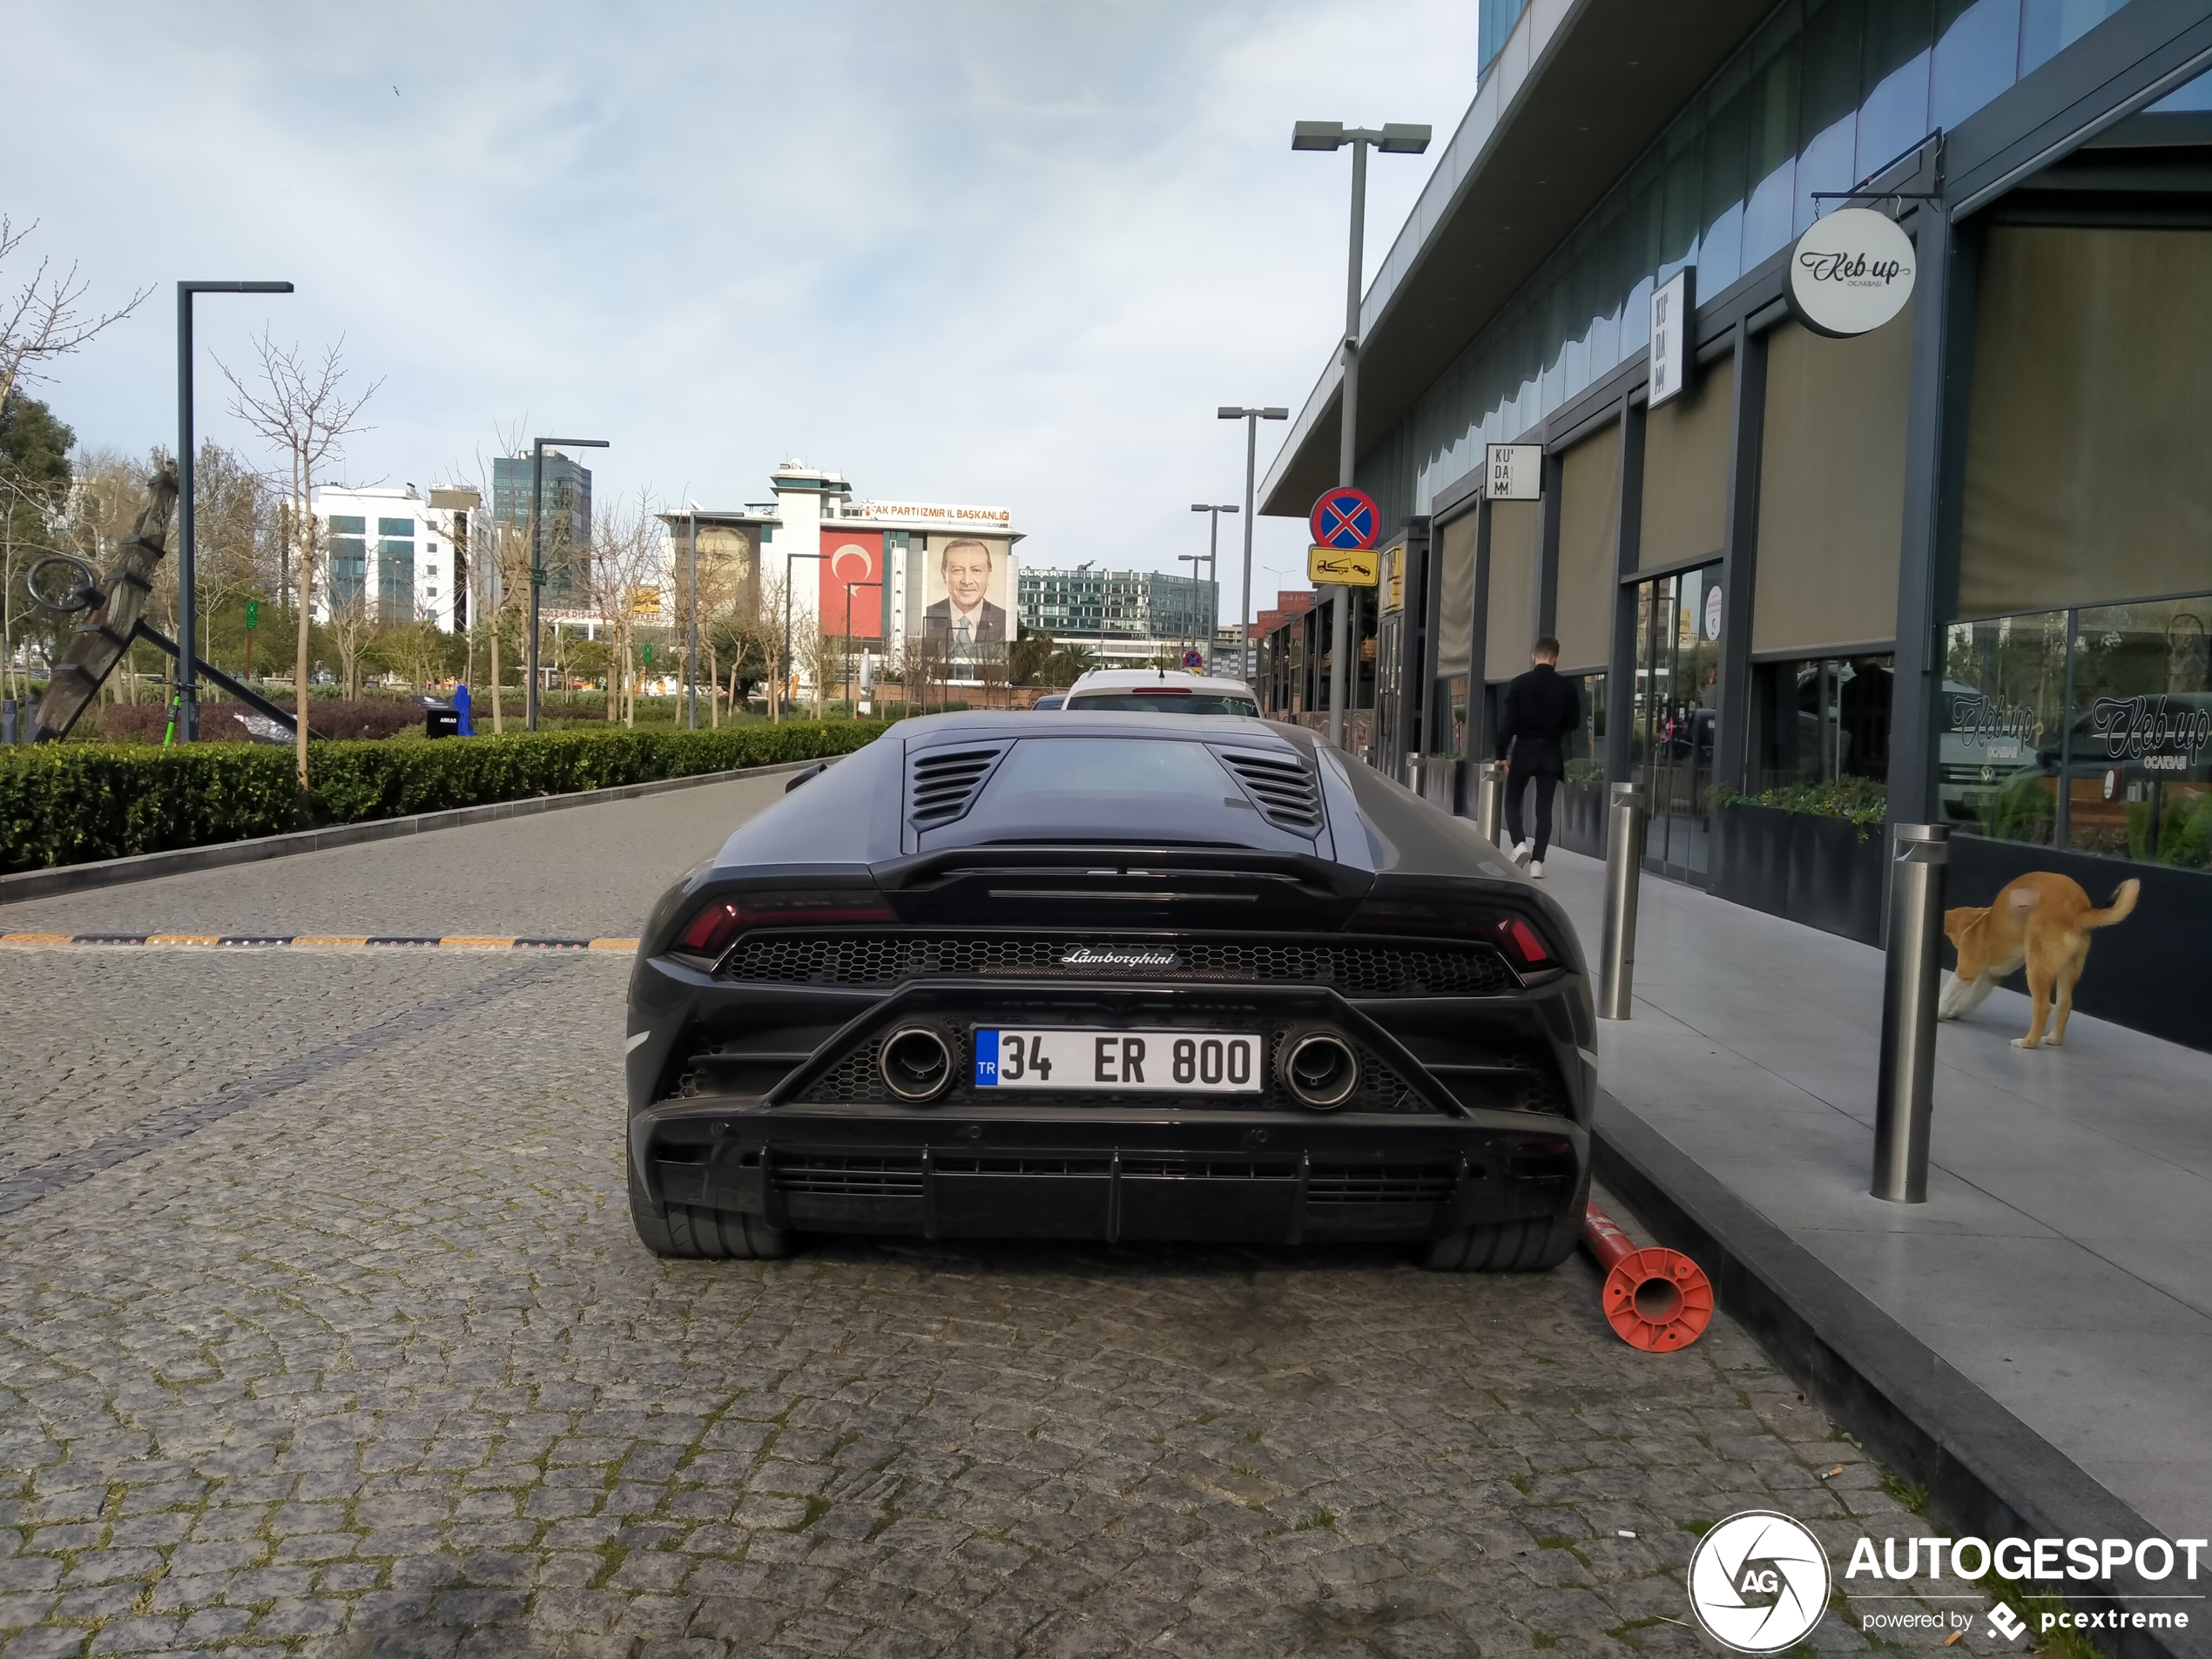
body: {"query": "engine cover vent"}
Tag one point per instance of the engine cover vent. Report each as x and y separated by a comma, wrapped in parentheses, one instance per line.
(1288, 793)
(942, 784)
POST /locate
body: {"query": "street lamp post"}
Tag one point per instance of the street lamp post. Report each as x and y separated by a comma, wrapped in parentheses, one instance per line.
(1251, 418)
(776, 708)
(1213, 561)
(691, 650)
(187, 683)
(1392, 138)
(848, 634)
(537, 548)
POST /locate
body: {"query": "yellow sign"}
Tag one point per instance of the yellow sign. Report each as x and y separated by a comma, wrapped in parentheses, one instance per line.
(1349, 567)
(1394, 582)
(644, 602)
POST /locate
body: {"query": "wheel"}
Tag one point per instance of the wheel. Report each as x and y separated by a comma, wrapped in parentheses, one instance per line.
(693, 1233)
(1514, 1246)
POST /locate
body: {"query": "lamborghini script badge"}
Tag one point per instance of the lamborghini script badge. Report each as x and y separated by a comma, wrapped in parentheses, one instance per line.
(1119, 956)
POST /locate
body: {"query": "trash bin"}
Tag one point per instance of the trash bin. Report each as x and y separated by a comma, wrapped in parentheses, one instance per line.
(440, 720)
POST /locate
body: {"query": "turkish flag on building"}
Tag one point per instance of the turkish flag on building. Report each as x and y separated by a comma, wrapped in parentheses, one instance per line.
(852, 563)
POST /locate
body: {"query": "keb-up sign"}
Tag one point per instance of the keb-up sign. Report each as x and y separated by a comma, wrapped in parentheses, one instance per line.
(1347, 567)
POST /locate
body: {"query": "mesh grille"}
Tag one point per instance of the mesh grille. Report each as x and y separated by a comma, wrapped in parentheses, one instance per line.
(837, 1176)
(943, 783)
(888, 959)
(1380, 1183)
(1289, 794)
(899, 1176)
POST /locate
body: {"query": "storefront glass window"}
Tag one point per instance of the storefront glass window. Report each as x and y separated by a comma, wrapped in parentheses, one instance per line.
(1585, 746)
(2139, 767)
(1826, 90)
(1676, 713)
(2004, 719)
(1821, 721)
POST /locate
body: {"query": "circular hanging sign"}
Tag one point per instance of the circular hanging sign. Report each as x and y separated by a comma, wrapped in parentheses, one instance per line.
(1851, 273)
(1712, 613)
(1194, 660)
(1345, 517)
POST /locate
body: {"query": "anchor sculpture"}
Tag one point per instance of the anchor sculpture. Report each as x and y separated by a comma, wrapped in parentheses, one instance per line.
(113, 607)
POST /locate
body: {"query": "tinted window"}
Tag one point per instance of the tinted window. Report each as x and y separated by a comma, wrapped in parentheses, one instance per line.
(1164, 703)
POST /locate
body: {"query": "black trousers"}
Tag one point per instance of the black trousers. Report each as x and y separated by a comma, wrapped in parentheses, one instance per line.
(1517, 778)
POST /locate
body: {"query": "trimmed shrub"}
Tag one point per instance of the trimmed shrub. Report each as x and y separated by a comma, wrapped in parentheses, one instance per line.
(69, 803)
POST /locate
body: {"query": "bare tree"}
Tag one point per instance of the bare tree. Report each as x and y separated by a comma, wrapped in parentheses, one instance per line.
(302, 407)
(44, 318)
(628, 557)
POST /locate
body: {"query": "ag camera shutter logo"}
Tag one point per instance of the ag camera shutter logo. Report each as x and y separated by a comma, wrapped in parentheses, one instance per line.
(1758, 1582)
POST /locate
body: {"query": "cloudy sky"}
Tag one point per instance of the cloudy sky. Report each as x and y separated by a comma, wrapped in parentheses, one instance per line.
(1009, 253)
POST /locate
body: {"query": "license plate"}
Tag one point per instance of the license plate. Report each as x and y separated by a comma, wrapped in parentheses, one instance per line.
(1166, 1062)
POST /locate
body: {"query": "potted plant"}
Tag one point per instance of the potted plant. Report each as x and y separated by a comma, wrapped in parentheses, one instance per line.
(1812, 852)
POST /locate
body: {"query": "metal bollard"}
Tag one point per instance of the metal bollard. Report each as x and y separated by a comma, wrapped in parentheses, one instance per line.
(7, 720)
(1911, 985)
(1624, 877)
(1490, 801)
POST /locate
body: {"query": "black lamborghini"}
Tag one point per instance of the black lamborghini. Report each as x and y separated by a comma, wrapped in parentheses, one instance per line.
(1139, 976)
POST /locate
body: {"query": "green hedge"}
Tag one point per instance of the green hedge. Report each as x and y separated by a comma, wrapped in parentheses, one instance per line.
(71, 803)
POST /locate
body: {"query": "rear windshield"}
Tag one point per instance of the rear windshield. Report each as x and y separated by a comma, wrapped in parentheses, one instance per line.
(1113, 789)
(1164, 703)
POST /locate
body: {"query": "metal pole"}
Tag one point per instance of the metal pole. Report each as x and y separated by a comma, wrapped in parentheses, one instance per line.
(1490, 801)
(692, 654)
(537, 573)
(785, 667)
(1213, 575)
(1623, 876)
(187, 686)
(1244, 665)
(1904, 1099)
(1348, 441)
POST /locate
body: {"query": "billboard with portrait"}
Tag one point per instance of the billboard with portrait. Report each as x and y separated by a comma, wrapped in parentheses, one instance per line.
(966, 590)
(852, 582)
(729, 567)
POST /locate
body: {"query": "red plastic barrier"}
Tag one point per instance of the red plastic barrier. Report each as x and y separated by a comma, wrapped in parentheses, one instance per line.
(1654, 1299)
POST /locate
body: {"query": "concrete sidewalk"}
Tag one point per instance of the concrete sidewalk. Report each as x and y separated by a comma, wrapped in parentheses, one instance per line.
(2061, 1261)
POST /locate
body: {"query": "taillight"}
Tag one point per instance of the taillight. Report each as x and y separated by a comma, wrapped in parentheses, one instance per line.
(1519, 939)
(709, 933)
(1523, 943)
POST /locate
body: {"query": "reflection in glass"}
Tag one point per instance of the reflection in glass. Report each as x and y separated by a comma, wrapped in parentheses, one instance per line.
(1821, 721)
(1675, 713)
(2004, 700)
(2139, 773)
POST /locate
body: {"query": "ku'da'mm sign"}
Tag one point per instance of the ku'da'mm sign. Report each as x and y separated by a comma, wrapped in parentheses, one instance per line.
(1851, 273)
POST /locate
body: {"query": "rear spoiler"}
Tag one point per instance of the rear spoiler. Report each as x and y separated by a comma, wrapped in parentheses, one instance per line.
(1320, 876)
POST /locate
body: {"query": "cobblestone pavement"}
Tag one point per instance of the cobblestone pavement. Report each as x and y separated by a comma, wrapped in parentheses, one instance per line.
(579, 872)
(323, 1329)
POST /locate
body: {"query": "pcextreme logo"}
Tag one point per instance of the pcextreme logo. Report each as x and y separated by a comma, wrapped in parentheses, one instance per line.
(1758, 1582)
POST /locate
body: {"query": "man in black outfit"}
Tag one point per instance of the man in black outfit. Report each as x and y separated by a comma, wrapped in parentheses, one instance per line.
(1541, 711)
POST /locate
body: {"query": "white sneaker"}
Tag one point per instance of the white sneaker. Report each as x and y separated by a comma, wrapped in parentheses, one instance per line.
(1536, 869)
(1521, 850)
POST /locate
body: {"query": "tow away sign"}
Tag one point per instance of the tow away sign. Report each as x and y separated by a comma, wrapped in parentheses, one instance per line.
(1348, 567)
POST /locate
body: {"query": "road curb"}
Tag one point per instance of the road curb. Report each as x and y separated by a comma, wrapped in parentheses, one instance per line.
(1986, 1473)
(146, 866)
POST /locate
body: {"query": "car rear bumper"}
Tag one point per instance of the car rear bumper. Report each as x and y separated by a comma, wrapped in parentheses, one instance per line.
(1259, 1177)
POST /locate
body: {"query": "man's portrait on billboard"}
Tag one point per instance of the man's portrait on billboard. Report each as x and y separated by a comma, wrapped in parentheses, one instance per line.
(966, 616)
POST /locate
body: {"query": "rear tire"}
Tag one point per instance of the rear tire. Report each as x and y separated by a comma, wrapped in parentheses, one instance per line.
(690, 1232)
(1514, 1246)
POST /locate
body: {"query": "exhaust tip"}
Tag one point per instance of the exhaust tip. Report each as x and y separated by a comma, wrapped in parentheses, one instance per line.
(1319, 1069)
(916, 1062)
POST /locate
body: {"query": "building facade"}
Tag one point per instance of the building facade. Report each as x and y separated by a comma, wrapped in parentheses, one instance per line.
(565, 522)
(392, 557)
(1123, 618)
(1955, 569)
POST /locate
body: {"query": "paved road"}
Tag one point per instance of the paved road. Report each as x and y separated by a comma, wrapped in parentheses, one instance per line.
(581, 872)
(322, 1329)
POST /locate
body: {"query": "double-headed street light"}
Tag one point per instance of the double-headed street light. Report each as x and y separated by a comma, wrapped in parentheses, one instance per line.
(1213, 562)
(537, 550)
(1251, 418)
(1392, 138)
(187, 680)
